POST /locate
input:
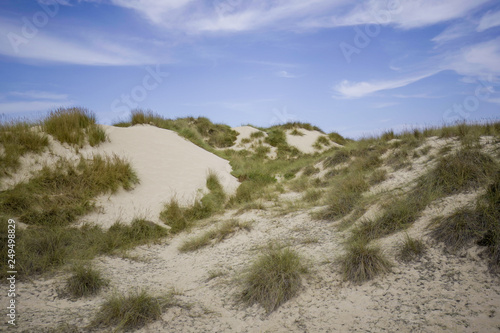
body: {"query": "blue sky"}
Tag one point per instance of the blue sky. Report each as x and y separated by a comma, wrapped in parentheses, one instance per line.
(355, 67)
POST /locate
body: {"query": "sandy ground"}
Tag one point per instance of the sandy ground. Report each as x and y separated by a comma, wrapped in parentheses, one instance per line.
(439, 293)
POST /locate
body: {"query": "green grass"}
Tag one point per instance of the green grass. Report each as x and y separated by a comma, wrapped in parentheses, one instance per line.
(181, 218)
(338, 157)
(377, 177)
(213, 236)
(337, 138)
(344, 194)
(463, 170)
(322, 141)
(16, 140)
(296, 132)
(132, 311)
(85, 281)
(42, 249)
(273, 279)
(60, 194)
(411, 249)
(362, 262)
(74, 126)
(200, 131)
(312, 195)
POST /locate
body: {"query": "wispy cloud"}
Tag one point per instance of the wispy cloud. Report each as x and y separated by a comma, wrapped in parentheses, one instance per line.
(47, 47)
(347, 89)
(489, 20)
(196, 16)
(407, 14)
(33, 94)
(481, 59)
(287, 75)
(31, 106)
(32, 101)
(453, 32)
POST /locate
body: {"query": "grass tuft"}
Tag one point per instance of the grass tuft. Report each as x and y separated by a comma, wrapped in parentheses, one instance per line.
(74, 126)
(181, 218)
(132, 311)
(345, 194)
(411, 249)
(213, 236)
(273, 278)
(362, 262)
(16, 140)
(85, 281)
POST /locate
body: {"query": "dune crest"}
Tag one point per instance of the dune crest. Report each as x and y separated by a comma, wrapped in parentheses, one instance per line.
(167, 165)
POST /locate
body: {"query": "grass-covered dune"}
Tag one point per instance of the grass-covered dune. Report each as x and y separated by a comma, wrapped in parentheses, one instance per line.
(357, 227)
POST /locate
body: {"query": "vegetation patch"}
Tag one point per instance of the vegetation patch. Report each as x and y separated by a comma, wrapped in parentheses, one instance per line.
(85, 281)
(200, 131)
(133, 311)
(344, 195)
(411, 249)
(58, 195)
(74, 126)
(180, 218)
(362, 262)
(273, 278)
(16, 140)
(214, 236)
(41, 249)
(462, 170)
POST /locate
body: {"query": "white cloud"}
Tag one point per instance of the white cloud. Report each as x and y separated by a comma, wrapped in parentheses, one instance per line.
(31, 106)
(33, 94)
(154, 10)
(478, 60)
(45, 47)
(287, 75)
(346, 89)
(454, 32)
(404, 14)
(489, 20)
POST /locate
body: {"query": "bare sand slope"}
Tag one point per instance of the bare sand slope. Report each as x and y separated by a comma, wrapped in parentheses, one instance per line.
(168, 166)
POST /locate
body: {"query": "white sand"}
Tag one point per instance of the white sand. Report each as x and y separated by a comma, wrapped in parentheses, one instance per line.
(168, 166)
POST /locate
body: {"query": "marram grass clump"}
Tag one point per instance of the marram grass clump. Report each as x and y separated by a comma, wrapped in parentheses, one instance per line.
(85, 281)
(274, 278)
(132, 311)
(74, 126)
(411, 249)
(362, 262)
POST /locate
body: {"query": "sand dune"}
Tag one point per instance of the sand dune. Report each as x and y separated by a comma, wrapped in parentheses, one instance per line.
(168, 166)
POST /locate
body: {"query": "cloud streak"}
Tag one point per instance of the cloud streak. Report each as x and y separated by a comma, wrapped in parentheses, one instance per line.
(350, 90)
(47, 47)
